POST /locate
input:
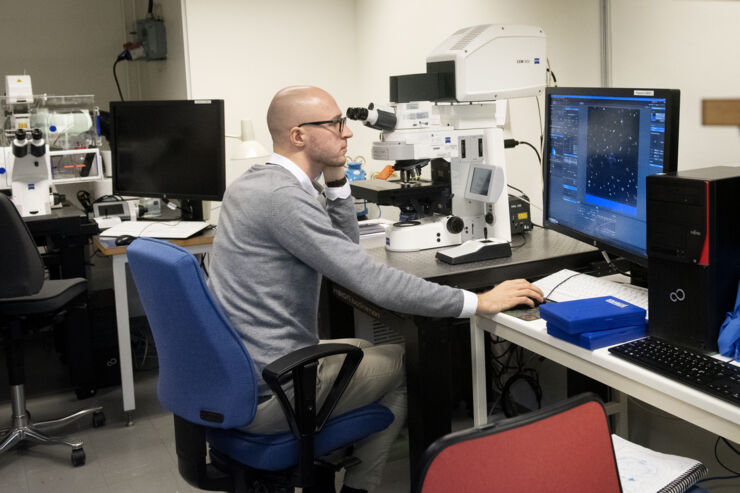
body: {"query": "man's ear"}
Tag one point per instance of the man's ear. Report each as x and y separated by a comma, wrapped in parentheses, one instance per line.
(297, 137)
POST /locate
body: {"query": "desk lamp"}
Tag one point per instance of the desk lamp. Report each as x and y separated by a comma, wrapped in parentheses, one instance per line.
(249, 147)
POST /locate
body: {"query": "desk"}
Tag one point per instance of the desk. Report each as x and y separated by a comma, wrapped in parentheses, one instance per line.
(197, 244)
(428, 352)
(703, 410)
(66, 233)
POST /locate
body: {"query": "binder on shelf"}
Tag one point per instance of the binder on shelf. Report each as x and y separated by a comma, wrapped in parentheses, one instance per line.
(592, 314)
(644, 470)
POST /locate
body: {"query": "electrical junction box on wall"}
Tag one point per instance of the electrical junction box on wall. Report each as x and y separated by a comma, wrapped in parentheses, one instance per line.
(152, 34)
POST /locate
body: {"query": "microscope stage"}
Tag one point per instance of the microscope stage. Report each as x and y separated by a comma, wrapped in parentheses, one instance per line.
(383, 192)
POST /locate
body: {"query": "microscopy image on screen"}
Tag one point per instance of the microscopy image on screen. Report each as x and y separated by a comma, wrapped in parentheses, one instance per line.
(481, 181)
(612, 153)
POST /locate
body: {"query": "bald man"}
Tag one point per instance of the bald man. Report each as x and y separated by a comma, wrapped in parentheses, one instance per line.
(276, 240)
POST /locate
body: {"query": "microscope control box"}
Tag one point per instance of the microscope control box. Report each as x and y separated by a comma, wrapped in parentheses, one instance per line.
(521, 218)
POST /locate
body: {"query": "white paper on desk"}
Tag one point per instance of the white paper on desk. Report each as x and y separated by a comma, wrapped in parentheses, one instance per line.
(157, 229)
(107, 222)
(643, 470)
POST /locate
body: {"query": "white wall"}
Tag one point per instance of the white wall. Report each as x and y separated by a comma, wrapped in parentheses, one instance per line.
(245, 51)
(693, 46)
(69, 48)
(66, 47)
(157, 79)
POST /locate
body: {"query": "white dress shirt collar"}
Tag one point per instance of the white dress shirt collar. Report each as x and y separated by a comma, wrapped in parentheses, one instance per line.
(302, 177)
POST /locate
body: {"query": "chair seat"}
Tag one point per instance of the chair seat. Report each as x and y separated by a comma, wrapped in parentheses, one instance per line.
(53, 295)
(280, 451)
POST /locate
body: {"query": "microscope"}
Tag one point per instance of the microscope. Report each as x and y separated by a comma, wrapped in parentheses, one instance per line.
(31, 174)
(62, 148)
(451, 118)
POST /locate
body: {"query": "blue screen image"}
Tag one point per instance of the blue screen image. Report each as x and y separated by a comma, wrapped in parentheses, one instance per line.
(601, 149)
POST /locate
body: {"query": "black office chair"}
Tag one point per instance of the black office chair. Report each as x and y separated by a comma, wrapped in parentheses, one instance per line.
(26, 300)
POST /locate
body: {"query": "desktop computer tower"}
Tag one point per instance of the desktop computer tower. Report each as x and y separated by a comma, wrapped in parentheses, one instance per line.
(693, 247)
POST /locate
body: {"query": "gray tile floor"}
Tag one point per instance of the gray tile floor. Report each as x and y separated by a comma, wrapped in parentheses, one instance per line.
(120, 459)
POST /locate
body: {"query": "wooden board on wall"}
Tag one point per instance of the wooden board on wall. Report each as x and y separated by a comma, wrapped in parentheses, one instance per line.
(720, 112)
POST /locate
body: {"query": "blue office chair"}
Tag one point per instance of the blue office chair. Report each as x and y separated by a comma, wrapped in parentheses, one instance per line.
(208, 381)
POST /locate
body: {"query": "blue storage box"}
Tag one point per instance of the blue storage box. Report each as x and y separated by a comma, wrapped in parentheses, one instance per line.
(592, 314)
(600, 338)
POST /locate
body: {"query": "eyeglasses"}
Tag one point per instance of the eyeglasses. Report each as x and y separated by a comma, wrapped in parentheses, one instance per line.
(338, 122)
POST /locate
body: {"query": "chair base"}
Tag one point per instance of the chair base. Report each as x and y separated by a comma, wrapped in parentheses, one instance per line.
(245, 479)
(21, 428)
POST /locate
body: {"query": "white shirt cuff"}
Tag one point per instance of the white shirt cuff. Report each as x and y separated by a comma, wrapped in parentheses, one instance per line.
(470, 304)
(334, 193)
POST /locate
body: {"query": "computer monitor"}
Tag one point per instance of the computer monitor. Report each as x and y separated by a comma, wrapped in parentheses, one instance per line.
(169, 149)
(600, 145)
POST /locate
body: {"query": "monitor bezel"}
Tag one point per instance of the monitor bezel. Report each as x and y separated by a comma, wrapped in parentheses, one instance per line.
(670, 157)
(220, 156)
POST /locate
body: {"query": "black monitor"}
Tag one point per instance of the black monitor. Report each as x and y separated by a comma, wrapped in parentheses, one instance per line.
(169, 149)
(600, 144)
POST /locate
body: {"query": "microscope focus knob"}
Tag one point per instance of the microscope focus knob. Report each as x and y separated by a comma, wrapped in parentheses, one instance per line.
(455, 225)
(489, 218)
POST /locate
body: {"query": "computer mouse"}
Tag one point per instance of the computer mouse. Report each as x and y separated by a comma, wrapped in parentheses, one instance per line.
(124, 240)
(524, 306)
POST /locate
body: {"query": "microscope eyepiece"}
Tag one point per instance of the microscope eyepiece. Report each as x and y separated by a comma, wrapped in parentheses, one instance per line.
(20, 145)
(373, 117)
(38, 146)
(357, 114)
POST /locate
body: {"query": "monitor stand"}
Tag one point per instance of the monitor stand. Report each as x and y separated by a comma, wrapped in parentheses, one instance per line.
(192, 210)
(638, 273)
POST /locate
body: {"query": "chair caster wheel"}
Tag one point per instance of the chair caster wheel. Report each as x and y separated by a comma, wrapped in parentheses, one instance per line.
(98, 419)
(78, 457)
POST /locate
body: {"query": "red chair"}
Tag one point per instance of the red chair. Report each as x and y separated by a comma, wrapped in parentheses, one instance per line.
(566, 447)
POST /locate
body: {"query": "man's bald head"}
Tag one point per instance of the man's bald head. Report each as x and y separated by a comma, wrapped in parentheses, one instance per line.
(294, 105)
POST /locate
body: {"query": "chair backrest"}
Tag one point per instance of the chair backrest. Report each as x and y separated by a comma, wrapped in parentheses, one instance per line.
(21, 267)
(206, 375)
(566, 447)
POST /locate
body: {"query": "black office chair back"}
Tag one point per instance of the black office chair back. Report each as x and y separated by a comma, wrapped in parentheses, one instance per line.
(21, 267)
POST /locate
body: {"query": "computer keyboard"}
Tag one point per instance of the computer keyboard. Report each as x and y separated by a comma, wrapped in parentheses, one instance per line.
(569, 285)
(692, 368)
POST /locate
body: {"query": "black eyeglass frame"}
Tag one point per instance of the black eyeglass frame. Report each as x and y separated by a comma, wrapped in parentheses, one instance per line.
(342, 121)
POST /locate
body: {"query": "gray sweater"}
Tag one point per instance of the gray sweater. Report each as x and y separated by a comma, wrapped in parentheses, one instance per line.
(273, 244)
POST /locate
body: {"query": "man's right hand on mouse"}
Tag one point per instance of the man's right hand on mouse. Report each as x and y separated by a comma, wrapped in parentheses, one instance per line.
(507, 295)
